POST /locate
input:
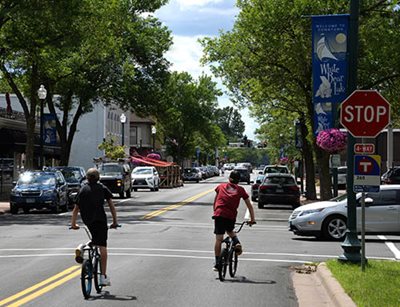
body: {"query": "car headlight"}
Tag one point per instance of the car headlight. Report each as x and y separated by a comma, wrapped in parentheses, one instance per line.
(150, 178)
(311, 211)
(119, 183)
(15, 193)
(48, 192)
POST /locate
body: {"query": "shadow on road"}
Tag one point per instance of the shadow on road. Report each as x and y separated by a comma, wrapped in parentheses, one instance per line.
(244, 280)
(107, 296)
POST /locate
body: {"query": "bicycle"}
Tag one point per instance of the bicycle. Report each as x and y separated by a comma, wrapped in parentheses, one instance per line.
(229, 257)
(90, 266)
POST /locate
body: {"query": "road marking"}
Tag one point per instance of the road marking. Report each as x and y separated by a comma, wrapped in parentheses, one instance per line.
(392, 247)
(70, 273)
(180, 204)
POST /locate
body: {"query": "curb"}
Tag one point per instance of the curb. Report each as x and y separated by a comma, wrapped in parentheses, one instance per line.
(333, 288)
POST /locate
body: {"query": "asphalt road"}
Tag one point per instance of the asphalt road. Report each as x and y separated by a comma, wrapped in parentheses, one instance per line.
(162, 255)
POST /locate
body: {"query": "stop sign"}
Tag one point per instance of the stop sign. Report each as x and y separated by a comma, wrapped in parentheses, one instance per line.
(365, 113)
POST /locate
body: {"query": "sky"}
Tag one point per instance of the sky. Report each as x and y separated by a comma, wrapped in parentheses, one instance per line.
(190, 20)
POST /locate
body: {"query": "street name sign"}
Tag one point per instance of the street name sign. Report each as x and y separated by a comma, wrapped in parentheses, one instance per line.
(367, 172)
(365, 113)
(364, 148)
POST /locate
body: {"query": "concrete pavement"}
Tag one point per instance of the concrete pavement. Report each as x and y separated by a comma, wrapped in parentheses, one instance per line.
(4, 207)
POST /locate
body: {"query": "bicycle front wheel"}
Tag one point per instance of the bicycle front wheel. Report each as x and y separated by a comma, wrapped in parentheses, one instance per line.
(223, 264)
(96, 274)
(233, 262)
(86, 278)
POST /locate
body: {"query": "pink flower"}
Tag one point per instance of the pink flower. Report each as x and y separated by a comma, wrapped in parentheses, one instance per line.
(332, 140)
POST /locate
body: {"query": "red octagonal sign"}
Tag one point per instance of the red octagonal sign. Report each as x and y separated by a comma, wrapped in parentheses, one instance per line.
(365, 113)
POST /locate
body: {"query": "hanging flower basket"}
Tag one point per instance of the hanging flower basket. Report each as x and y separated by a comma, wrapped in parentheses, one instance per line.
(154, 156)
(284, 160)
(332, 140)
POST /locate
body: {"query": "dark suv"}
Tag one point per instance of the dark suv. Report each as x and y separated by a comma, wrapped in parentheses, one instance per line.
(392, 176)
(244, 174)
(117, 177)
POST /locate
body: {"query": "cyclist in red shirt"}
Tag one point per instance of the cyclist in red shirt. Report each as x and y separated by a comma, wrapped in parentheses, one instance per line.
(226, 203)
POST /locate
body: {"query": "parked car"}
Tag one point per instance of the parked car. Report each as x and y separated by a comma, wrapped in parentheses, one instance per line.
(117, 177)
(392, 176)
(255, 186)
(342, 176)
(328, 218)
(269, 169)
(245, 165)
(244, 174)
(145, 177)
(229, 166)
(74, 176)
(278, 188)
(39, 189)
(191, 174)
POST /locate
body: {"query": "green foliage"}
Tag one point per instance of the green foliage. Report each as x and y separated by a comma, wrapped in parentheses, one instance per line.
(187, 116)
(377, 286)
(255, 156)
(230, 122)
(111, 150)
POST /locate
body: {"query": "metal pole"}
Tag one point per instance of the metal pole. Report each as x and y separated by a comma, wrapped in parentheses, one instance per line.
(389, 162)
(41, 133)
(363, 231)
(154, 141)
(123, 136)
(351, 245)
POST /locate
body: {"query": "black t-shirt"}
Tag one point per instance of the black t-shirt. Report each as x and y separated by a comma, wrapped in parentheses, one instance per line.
(90, 200)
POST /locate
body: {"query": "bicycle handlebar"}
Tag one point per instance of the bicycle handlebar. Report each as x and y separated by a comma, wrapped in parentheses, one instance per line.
(242, 223)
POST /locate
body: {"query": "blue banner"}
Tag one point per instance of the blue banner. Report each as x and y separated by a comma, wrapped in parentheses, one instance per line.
(329, 67)
(49, 129)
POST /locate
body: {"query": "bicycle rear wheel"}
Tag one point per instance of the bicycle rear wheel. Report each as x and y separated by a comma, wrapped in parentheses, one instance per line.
(223, 264)
(233, 262)
(86, 278)
(96, 274)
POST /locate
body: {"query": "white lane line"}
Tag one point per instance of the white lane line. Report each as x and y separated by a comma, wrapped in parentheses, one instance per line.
(392, 247)
(163, 250)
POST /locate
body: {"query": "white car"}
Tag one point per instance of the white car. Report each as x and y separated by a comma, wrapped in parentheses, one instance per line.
(283, 169)
(145, 177)
(329, 218)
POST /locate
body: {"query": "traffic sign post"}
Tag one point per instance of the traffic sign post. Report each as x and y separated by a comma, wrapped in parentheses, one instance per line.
(364, 148)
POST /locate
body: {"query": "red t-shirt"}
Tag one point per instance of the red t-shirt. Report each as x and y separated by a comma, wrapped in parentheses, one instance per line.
(228, 199)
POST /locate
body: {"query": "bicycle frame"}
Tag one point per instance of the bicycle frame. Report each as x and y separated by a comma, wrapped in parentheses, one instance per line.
(228, 256)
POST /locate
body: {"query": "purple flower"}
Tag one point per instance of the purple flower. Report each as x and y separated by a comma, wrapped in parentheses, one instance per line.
(332, 140)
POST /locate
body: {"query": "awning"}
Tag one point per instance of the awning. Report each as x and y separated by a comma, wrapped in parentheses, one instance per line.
(149, 161)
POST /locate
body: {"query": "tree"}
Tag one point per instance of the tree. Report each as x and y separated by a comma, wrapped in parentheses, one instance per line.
(265, 61)
(188, 115)
(112, 151)
(230, 122)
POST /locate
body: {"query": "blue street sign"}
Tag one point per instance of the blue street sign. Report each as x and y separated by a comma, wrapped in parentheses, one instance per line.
(367, 170)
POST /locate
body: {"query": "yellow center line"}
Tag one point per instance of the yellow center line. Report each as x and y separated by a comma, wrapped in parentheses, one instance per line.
(171, 207)
(41, 284)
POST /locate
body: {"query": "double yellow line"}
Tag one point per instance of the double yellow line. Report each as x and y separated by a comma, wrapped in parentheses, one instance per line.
(41, 288)
(180, 204)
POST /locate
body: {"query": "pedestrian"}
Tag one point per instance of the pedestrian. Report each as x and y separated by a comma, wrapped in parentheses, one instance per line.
(90, 203)
(226, 202)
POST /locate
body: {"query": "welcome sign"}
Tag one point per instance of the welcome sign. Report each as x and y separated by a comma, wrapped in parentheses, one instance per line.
(329, 66)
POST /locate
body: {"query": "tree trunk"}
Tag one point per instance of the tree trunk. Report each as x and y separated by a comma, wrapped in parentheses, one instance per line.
(30, 143)
(324, 175)
(308, 162)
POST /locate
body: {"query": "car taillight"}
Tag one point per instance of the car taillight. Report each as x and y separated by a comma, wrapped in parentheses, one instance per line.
(293, 188)
(255, 186)
(265, 187)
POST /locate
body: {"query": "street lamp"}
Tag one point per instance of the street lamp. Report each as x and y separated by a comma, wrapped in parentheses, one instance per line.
(153, 132)
(122, 118)
(42, 93)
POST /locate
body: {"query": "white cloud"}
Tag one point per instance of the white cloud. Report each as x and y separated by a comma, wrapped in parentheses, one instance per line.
(184, 4)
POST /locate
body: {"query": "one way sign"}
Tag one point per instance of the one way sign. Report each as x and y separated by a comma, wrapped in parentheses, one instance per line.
(367, 171)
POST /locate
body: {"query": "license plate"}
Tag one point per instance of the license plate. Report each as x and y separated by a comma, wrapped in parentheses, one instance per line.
(30, 200)
(279, 190)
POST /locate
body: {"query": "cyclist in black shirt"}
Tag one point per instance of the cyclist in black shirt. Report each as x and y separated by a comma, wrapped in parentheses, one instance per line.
(90, 203)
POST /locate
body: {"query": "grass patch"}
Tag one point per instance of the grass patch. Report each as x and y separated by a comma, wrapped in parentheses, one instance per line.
(379, 285)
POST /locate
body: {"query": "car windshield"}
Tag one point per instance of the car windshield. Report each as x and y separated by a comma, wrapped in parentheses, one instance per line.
(279, 180)
(36, 179)
(71, 175)
(142, 171)
(110, 169)
(276, 170)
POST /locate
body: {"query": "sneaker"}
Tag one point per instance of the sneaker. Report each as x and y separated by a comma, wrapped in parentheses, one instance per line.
(215, 268)
(238, 249)
(79, 254)
(104, 281)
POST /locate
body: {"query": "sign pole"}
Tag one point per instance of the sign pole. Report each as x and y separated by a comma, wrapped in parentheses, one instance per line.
(351, 244)
(363, 232)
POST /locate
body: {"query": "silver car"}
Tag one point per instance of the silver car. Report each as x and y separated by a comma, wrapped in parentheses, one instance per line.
(328, 218)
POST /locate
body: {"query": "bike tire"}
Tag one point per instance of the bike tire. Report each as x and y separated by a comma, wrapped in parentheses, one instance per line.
(233, 262)
(96, 274)
(86, 278)
(223, 263)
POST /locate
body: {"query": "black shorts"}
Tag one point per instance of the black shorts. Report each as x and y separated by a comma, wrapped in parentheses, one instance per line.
(222, 225)
(99, 232)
